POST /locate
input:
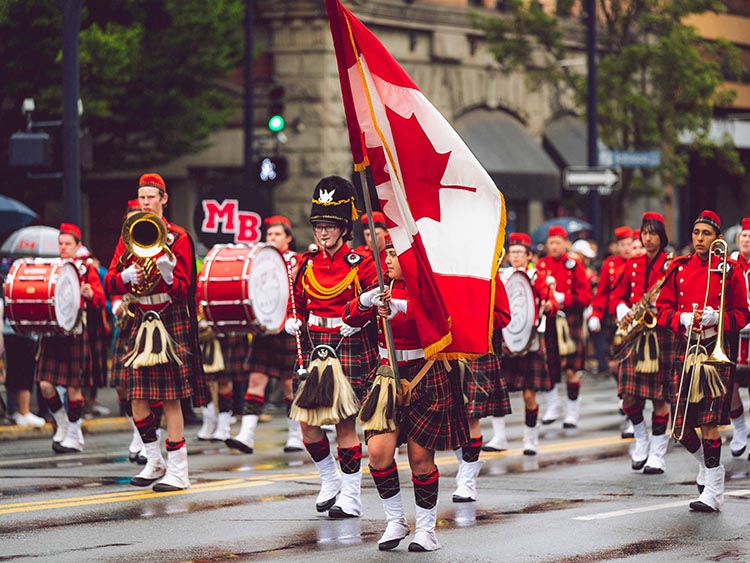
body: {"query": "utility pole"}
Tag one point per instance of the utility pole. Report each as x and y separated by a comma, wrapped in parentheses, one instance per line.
(71, 21)
(592, 117)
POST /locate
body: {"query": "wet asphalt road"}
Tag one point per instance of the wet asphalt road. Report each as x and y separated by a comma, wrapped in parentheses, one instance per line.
(578, 501)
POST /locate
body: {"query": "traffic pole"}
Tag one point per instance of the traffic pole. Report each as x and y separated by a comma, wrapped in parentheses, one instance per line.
(71, 148)
(592, 117)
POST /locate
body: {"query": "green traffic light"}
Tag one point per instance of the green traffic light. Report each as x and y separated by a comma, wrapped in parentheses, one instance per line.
(276, 123)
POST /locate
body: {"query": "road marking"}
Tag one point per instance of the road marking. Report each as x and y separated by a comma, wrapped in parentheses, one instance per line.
(675, 504)
(249, 482)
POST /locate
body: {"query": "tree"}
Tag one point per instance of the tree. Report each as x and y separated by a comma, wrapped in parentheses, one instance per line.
(151, 73)
(657, 79)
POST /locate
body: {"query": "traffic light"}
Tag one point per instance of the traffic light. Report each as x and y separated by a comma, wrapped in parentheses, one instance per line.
(271, 170)
(276, 120)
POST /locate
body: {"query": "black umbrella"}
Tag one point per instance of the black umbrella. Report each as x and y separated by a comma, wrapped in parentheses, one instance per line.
(14, 215)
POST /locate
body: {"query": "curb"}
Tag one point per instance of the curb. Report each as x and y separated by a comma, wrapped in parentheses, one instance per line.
(93, 426)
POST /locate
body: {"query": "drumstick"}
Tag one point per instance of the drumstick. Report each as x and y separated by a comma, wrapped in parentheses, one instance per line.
(301, 370)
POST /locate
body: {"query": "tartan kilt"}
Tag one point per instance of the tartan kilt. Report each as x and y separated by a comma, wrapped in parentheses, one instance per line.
(356, 353)
(528, 371)
(554, 362)
(234, 350)
(171, 381)
(123, 337)
(436, 417)
(274, 355)
(65, 360)
(648, 385)
(707, 411)
(576, 360)
(485, 388)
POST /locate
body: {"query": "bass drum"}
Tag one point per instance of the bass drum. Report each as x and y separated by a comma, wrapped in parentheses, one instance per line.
(520, 334)
(244, 289)
(43, 297)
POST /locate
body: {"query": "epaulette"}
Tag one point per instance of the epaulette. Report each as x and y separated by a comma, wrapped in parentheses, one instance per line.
(353, 259)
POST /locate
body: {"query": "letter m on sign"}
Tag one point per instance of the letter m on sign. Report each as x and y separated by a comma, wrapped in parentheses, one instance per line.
(215, 213)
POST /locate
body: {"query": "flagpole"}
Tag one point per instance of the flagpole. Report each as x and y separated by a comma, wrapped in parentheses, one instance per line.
(378, 269)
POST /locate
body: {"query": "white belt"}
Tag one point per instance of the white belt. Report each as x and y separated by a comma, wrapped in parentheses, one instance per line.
(155, 299)
(324, 322)
(402, 355)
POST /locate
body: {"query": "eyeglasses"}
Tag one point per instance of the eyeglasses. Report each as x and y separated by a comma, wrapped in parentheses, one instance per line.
(327, 228)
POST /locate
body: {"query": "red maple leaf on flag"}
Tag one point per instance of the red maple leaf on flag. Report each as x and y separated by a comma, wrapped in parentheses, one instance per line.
(421, 176)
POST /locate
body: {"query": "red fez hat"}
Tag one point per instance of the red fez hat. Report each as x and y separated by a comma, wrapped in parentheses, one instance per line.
(746, 223)
(653, 216)
(519, 238)
(388, 240)
(378, 219)
(277, 220)
(623, 232)
(134, 205)
(70, 229)
(153, 181)
(709, 218)
(637, 234)
(557, 231)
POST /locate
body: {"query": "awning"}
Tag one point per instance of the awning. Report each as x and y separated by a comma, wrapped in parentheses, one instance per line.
(516, 163)
(565, 140)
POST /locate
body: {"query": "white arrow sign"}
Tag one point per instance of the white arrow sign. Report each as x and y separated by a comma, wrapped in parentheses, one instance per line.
(573, 177)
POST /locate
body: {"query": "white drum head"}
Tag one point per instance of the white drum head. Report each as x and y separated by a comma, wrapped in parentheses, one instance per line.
(269, 288)
(518, 333)
(67, 297)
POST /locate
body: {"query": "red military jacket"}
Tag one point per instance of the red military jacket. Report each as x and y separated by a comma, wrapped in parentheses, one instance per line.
(501, 312)
(183, 272)
(570, 279)
(608, 275)
(687, 285)
(637, 277)
(745, 265)
(90, 276)
(321, 287)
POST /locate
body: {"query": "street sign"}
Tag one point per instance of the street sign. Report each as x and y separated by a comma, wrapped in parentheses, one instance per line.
(630, 159)
(584, 178)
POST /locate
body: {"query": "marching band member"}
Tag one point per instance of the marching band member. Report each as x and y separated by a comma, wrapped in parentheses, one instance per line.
(66, 360)
(328, 278)
(380, 231)
(645, 371)
(434, 419)
(742, 376)
(271, 356)
(638, 249)
(573, 294)
(487, 391)
(167, 309)
(686, 307)
(527, 372)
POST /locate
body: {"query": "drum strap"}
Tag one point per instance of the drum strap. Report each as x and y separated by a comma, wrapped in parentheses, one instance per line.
(316, 289)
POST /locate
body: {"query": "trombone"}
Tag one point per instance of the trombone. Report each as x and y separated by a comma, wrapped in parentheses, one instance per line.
(696, 355)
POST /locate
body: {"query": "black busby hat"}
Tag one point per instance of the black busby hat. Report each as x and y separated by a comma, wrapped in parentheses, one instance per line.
(333, 200)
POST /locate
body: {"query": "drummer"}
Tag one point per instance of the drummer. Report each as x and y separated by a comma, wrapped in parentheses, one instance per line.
(66, 360)
(271, 356)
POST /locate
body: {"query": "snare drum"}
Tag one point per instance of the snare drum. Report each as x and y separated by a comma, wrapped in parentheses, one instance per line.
(43, 297)
(244, 289)
(743, 352)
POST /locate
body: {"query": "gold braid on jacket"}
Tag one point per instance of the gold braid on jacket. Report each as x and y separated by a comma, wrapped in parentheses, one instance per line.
(314, 288)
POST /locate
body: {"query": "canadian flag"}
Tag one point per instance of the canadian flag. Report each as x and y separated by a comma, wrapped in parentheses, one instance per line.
(443, 211)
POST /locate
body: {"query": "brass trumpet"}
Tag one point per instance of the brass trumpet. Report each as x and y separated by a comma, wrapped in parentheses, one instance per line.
(696, 354)
(145, 237)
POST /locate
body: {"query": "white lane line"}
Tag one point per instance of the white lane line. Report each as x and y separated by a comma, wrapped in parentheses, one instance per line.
(629, 511)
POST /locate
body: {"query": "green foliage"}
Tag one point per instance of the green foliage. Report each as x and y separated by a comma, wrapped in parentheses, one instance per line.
(150, 72)
(657, 79)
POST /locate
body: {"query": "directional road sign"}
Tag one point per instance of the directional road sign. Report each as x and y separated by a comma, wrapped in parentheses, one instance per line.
(590, 178)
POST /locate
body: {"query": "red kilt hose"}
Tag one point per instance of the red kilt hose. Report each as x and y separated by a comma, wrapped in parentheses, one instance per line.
(648, 385)
(687, 278)
(65, 360)
(485, 388)
(274, 355)
(528, 371)
(436, 416)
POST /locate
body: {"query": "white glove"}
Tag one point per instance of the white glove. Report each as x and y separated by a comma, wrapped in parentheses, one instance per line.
(560, 298)
(166, 267)
(686, 319)
(203, 324)
(367, 299)
(710, 317)
(595, 324)
(116, 305)
(622, 310)
(398, 306)
(347, 330)
(128, 275)
(292, 326)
